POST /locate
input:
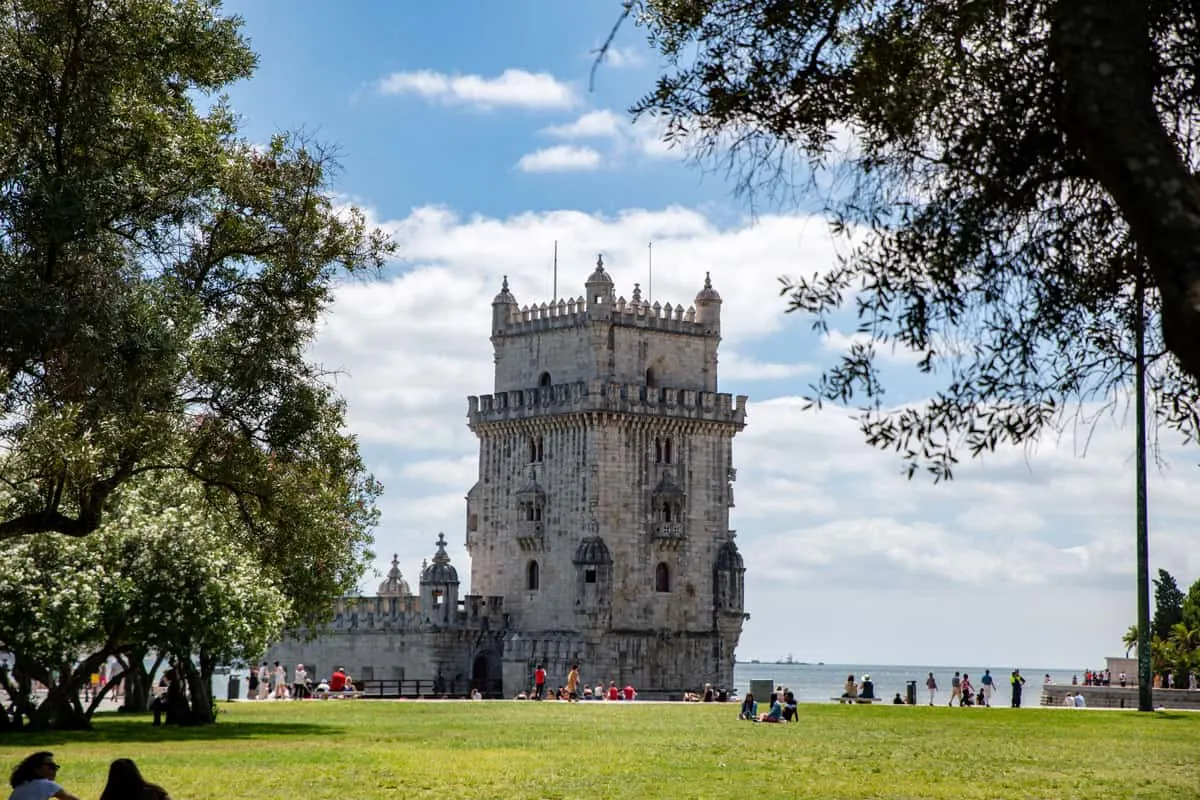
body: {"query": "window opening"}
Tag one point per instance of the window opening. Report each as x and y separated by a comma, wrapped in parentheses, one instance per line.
(531, 576)
(662, 578)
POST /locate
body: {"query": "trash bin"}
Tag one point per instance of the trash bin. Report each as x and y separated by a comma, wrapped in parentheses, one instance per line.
(910, 692)
(235, 686)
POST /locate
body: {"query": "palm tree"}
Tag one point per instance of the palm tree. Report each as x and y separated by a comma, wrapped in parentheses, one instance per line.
(1130, 639)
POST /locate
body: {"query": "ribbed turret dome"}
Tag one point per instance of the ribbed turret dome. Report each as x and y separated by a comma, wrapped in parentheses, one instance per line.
(440, 571)
(594, 551)
(729, 559)
(395, 585)
(708, 293)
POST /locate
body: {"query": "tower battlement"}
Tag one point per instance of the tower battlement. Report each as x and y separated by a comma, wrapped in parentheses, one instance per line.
(574, 312)
(599, 396)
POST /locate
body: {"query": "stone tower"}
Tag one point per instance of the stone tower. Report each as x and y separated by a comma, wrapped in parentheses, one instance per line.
(601, 512)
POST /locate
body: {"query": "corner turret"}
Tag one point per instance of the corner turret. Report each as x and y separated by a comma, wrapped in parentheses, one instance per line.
(599, 292)
(708, 307)
(439, 586)
(503, 307)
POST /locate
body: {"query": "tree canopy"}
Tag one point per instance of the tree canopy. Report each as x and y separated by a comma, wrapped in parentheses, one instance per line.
(165, 573)
(160, 280)
(1013, 178)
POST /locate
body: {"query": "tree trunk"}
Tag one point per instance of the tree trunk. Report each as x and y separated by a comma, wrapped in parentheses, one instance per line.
(1102, 52)
(199, 682)
(138, 681)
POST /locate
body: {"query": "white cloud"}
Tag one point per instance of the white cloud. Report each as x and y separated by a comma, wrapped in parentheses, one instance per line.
(629, 140)
(560, 158)
(622, 57)
(513, 88)
(599, 124)
(994, 565)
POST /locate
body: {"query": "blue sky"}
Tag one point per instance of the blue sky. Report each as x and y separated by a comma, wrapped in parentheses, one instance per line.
(467, 130)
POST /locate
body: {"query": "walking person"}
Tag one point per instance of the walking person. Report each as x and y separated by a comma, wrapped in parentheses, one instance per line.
(279, 678)
(931, 685)
(955, 689)
(573, 683)
(986, 687)
(1017, 683)
(539, 682)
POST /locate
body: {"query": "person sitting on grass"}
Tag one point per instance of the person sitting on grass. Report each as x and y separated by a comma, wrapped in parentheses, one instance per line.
(790, 713)
(776, 712)
(125, 782)
(897, 700)
(35, 779)
(749, 708)
(337, 681)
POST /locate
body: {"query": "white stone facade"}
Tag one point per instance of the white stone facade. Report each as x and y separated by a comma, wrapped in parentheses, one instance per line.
(598, 529)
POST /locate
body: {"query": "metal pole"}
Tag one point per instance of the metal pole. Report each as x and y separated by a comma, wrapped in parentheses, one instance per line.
(1145, 680)
(554, 291)
(650, 264)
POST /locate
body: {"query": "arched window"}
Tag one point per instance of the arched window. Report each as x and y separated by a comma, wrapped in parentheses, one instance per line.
(666, 512)
(531, 576)
(544, 381)
(536, 451)
(651, 379)
(662, 450)
(662, 578)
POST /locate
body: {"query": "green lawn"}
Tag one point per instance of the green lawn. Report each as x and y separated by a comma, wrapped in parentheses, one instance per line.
(360, 750)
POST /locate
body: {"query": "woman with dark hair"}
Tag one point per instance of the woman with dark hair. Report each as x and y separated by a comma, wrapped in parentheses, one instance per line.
(34, 779)
(125, 782)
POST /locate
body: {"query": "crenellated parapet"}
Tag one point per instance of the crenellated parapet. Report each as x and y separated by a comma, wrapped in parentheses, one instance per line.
(376, 613)
(599, 396)
(574, 313)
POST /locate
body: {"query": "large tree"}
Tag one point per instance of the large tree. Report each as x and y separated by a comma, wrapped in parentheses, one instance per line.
(165, 574)
(1168, 605)
(160, 280)
(1012, 174)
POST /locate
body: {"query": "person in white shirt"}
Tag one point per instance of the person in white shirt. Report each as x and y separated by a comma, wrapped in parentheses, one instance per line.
(34, 779)
(1079, 701)
(300, 687)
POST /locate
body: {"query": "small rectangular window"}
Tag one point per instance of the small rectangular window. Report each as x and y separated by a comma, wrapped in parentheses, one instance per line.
(589, 576)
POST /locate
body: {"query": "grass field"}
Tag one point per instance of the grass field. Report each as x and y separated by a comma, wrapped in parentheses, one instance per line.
(363, 750)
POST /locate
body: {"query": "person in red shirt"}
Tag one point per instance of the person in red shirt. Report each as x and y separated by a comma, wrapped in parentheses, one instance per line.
(629, 692)
(613, 692)
(337, 681)
(539, 682)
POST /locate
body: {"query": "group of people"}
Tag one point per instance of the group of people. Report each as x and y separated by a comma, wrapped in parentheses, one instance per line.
(962, 690)
(782, 707)
(853, 692)
(572, 692)
(36, 778)
(267, 683)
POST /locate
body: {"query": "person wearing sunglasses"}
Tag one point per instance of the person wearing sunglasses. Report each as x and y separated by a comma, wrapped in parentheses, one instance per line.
(35, 778)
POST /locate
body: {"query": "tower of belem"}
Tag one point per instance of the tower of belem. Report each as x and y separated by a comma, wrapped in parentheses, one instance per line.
(598, 528)
(601, 511)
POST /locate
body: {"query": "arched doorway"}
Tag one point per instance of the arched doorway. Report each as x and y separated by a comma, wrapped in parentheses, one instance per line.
(487, 675)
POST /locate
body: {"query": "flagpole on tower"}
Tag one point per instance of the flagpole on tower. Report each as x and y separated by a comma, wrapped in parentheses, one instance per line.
(650, 265)
(554, 293)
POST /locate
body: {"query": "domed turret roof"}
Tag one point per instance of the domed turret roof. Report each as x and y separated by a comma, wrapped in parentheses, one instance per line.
(505, 295)
(729, 559)
(708, 293)
(395, 585)
(667, 487)
(440, 571)
(599, 277)
(594, 551)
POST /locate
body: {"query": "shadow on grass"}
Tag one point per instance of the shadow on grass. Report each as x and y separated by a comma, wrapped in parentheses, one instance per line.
(124, 729)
